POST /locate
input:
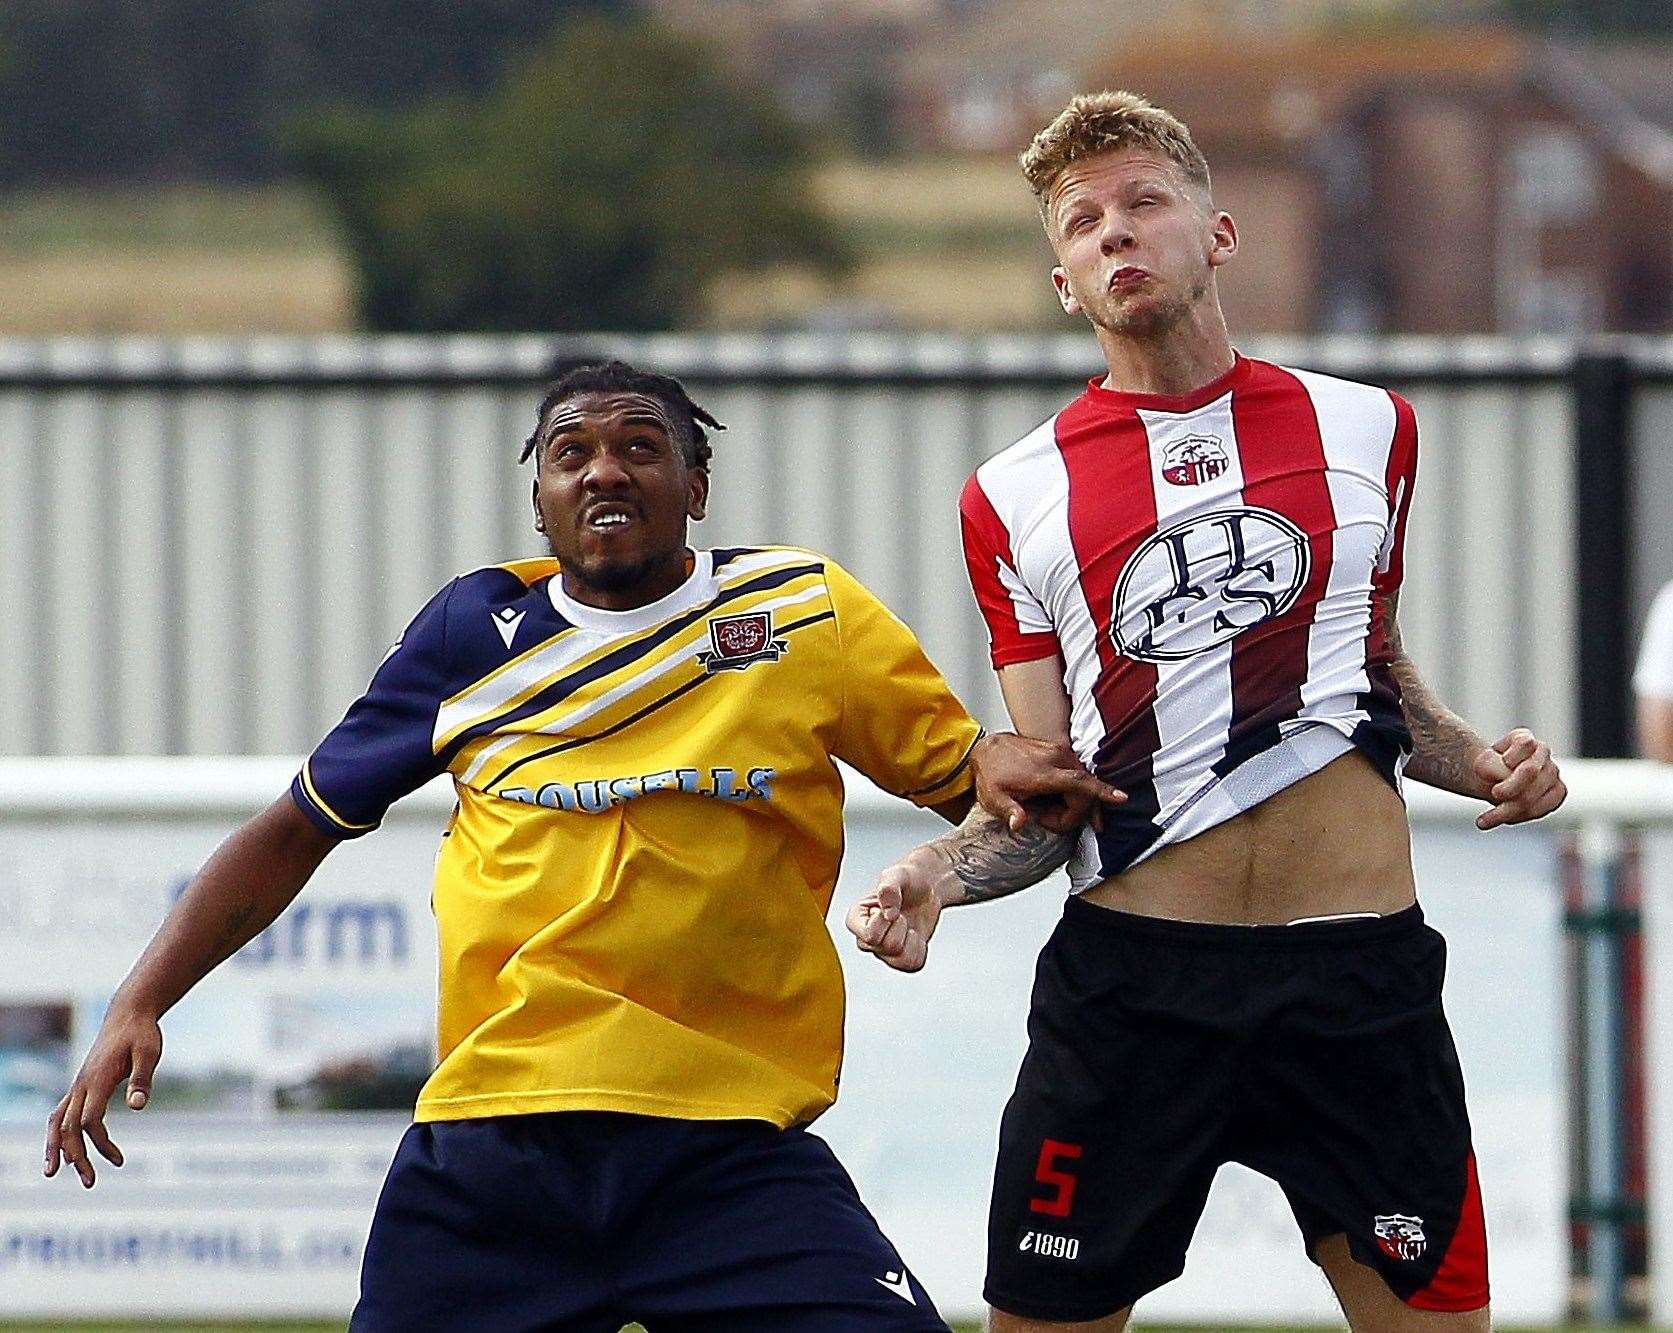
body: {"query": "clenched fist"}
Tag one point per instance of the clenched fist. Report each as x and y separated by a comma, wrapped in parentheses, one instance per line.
(1521, 779)
(896, 919)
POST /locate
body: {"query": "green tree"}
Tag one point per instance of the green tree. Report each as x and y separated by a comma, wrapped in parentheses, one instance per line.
(110, 90)
(601, 186)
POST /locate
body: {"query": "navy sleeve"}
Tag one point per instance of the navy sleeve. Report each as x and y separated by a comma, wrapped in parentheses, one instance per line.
(383, 748)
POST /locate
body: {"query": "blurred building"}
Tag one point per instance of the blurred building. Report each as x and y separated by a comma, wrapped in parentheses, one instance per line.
(987, 57)
(1435, 183)
(1428, 181)
(1388, 176)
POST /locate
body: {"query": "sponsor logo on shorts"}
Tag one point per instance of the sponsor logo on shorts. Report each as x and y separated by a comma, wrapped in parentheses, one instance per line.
(897, 1283)
(1050, 1245)
(1400, 1237)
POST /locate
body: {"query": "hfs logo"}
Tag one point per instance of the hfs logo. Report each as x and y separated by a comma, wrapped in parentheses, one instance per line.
(1205, 580)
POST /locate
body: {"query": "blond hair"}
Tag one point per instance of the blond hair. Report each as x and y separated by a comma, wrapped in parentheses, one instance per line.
(1099, 122)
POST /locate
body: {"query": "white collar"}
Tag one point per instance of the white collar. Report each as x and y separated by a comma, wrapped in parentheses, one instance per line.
(697, 589)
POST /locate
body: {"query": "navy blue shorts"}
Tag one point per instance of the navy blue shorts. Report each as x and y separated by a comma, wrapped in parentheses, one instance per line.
(582, 1221)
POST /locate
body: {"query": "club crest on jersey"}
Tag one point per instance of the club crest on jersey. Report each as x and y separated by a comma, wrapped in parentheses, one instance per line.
(741, 641)
(1400, 1237)
(1193, 460)
(1204, 580)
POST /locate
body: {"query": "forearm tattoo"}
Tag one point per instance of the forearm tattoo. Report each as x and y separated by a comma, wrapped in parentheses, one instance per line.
(235, 933)
(989, 861)
(1444, 746)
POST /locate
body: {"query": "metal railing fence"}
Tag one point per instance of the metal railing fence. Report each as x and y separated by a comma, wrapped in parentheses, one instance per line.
(206, 545)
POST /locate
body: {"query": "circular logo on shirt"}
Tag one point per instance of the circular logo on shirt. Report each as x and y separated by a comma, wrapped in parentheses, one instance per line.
(1205, 580)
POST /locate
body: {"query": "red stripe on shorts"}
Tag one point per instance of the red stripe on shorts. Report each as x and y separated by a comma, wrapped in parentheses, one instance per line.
(1461, 1282)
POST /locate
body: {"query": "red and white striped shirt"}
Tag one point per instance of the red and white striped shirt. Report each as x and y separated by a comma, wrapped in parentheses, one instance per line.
(1205, 565)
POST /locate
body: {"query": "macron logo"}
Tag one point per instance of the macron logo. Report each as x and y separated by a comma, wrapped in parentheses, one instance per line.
(897, 1283)
(506, 621)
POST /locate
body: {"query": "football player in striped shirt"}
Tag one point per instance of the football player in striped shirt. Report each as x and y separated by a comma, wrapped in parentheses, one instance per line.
(1191, 574)
(640, 1006)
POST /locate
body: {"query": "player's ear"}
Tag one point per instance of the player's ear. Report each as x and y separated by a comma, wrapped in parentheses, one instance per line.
(1223, 244)
(1065, 297)
(539, 519)
(697, 492)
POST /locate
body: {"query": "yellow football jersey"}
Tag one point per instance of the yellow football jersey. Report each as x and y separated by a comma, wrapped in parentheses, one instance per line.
(631, 896)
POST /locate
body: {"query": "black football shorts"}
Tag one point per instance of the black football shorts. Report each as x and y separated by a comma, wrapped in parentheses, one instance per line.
(1317, 1054)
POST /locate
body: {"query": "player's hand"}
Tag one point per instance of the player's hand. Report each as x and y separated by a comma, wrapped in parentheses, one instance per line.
(1020, 777)
(1521, 779)
(128, 1046)
(896, 919)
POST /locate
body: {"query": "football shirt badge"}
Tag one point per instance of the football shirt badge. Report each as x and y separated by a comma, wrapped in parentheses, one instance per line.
(737, 642)
(1193, 460)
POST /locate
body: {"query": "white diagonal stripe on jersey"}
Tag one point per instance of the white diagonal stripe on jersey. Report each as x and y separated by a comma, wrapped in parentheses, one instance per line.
(761, 561)
(576, 716)
(526, 674)
(1193, 706)
(1356, 429)
(539, 667)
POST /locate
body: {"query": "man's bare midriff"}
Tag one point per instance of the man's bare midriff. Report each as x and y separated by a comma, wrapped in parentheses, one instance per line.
(1334, 842)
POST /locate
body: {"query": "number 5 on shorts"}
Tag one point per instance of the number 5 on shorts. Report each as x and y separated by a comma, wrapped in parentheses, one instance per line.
(1048, 1173)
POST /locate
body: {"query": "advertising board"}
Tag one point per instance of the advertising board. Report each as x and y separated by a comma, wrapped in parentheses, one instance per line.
(288, 1074)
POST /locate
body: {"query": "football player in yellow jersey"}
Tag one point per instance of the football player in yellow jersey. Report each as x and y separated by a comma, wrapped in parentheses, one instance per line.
(640, 1005)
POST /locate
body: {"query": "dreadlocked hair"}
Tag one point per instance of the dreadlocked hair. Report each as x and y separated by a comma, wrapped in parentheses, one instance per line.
(619, 377)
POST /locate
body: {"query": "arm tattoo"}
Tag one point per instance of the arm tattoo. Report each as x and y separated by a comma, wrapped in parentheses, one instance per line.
(234, 933)
(988, 861)
(1444, 746)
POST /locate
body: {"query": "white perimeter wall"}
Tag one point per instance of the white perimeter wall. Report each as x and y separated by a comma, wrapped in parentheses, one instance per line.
(249, 1215)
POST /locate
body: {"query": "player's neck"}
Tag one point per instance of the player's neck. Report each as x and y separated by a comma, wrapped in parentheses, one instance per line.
(1173, 362)
(653, 584)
